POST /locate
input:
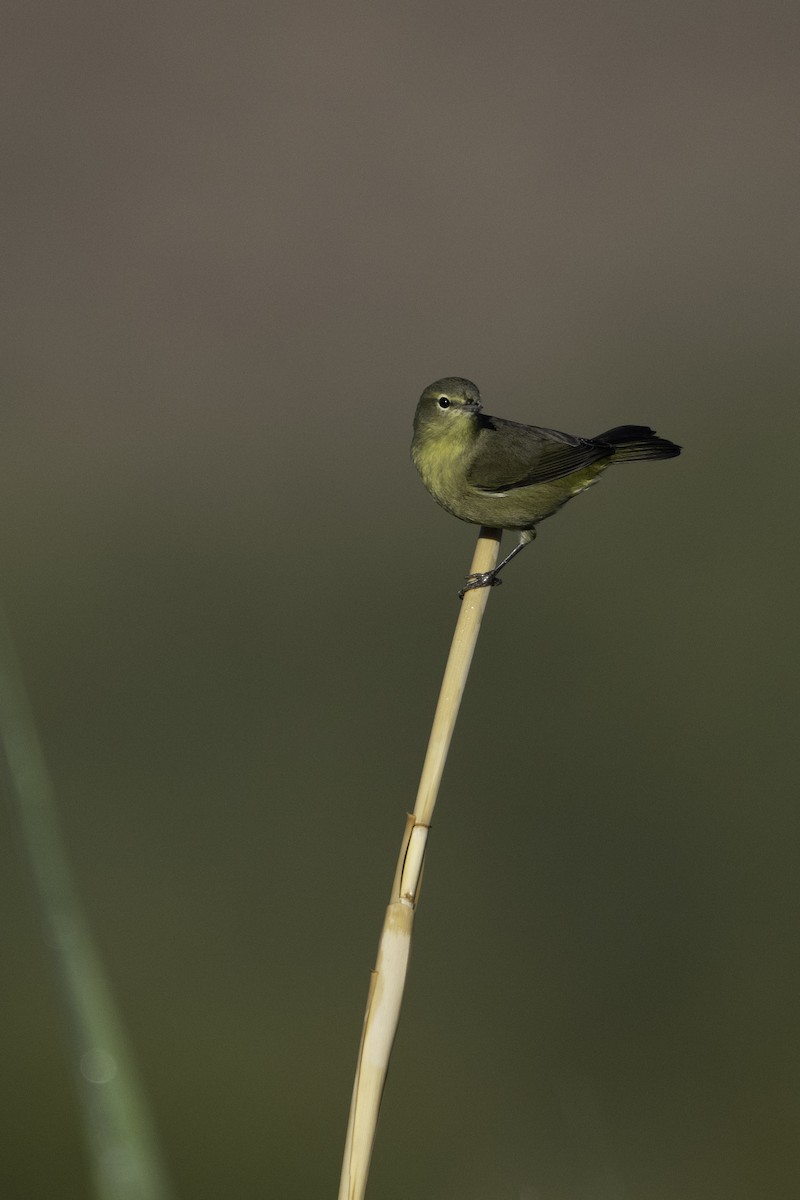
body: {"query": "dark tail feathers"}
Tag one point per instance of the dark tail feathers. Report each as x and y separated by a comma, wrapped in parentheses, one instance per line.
(637, 441)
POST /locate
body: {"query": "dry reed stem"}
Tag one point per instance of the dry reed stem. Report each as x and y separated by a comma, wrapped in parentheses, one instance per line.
(387, 981)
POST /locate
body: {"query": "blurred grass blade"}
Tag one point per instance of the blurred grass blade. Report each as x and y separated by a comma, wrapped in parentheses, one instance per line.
(124, 1160)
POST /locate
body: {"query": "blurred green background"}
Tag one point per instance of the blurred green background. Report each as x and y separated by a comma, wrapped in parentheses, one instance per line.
(239, 241)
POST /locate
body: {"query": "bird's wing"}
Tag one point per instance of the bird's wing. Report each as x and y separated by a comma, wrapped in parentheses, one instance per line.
(511, 456)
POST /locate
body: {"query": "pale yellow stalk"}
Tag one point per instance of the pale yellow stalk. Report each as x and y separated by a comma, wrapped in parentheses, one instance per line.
(388, 978)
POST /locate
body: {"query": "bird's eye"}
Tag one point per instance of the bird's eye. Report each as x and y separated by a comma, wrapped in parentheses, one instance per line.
(444, 402)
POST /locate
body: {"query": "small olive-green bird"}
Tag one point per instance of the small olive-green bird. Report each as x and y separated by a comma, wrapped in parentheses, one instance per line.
(498, 473)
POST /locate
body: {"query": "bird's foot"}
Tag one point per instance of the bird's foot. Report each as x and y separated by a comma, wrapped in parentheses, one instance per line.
(478, 580)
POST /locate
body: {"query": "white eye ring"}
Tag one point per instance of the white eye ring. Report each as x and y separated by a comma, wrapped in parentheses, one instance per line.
(444, 402)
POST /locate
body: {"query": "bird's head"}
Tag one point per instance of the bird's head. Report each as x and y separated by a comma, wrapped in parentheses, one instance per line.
(444, 405)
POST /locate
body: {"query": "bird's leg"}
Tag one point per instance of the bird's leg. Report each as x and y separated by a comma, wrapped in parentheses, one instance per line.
(489, 578)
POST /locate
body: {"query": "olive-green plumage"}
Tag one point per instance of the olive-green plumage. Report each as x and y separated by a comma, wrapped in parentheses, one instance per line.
(498, 473)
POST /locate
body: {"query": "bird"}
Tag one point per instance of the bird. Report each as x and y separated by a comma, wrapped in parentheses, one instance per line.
(501, 474)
